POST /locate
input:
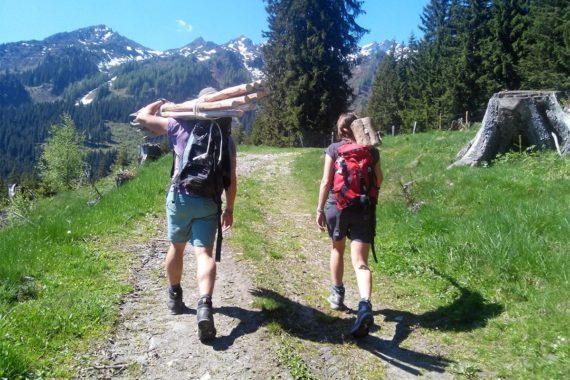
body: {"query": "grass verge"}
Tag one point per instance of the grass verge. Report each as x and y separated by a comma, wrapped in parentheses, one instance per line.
(63, 273)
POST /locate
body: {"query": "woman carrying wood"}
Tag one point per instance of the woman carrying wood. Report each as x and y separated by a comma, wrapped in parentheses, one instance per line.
(347, 197)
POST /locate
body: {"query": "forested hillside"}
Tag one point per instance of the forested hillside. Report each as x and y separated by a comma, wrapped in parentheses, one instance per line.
(118, 92)
(470, 50)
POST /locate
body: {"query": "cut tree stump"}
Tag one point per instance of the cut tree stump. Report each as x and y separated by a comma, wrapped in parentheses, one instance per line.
(518, 120)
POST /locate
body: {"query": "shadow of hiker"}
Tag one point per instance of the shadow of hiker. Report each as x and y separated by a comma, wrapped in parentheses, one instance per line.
(249, 322)
(403, 358)
(467, 312)
(308, 323)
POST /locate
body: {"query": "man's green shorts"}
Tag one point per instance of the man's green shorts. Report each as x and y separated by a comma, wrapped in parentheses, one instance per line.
(191, 218)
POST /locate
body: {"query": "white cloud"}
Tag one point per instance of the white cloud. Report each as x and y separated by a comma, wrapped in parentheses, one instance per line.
(184, 25)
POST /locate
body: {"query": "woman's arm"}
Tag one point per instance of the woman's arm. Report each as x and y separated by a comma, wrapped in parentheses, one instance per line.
(378, 174)
(147, 118)
(326, 183)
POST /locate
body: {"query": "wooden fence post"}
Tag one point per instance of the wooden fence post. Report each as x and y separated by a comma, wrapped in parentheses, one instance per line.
(414, 131)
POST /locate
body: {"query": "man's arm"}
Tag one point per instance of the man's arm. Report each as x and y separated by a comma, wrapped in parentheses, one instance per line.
(147, 118)
(231, 191)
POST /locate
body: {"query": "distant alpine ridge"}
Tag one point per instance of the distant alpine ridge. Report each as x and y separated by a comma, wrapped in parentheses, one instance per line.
(109, 49)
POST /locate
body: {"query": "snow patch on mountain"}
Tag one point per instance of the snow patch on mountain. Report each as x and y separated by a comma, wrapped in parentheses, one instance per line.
(250, 54)
(90, 96)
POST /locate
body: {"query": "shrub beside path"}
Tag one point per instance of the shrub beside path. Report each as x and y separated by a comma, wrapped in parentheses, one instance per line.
(302, 338)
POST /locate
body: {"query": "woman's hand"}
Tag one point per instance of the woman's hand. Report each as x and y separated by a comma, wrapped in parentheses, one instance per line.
(321, 220)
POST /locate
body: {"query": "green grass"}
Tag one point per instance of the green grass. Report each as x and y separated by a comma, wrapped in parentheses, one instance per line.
(253, 205)
(61, 276)
(289, 357)
(249, 216)
(483, 264)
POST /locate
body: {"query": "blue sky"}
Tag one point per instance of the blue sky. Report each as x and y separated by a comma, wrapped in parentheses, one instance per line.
(167, 24)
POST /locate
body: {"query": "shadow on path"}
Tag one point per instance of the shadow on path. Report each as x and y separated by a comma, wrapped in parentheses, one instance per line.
(467, 312)
(308, 323)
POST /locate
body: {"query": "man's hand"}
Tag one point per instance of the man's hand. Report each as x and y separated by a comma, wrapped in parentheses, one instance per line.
(150, 109)
(146, 117)
(227, 219)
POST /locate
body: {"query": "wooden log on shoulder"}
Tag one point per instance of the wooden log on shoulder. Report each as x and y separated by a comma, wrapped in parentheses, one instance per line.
(254, 96)
(178, 107)
(237, 98)
(190, 115)
(364, 132)
(235, 91)
(230, 92)
(224, 104)
(198, 106)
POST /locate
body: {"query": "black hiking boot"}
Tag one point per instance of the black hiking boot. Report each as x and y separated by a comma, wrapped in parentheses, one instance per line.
(175, 304)
(204, 313)
(364, 320)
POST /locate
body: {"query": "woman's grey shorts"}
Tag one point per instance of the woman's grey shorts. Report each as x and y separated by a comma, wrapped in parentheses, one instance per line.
(354, 222)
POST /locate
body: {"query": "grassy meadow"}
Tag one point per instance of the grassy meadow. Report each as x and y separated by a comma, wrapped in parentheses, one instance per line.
(476, 257)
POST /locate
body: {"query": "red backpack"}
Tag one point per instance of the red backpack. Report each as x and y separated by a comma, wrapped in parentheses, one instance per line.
(354, 180)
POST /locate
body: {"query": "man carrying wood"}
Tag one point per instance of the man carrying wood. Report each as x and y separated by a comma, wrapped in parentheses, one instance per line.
(193, 213)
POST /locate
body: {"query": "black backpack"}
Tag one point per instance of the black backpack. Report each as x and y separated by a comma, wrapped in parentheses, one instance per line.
(206, 164)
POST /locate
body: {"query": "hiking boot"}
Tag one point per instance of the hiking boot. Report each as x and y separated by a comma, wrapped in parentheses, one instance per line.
(204, 313)
(175, 304)
(336, 299)
(364, 320)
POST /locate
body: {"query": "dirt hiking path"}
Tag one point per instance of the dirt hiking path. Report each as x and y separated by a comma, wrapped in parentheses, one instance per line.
(311, 341)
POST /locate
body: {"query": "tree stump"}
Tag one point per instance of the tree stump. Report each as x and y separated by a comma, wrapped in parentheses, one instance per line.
(148, 151)
(518, 119)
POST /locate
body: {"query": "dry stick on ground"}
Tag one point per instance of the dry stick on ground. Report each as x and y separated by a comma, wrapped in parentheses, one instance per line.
(413, 205)
(113, 366)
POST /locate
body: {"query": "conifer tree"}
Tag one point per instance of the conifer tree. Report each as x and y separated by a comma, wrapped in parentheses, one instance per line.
(504, 46)
(307, 66)
(436, 51)
(62, 160)
(384, 105)
(416, 78)
(546, 58)
(468, 88)
(3, 192)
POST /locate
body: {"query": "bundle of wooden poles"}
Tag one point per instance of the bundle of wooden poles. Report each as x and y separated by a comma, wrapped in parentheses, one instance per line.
(229, 102)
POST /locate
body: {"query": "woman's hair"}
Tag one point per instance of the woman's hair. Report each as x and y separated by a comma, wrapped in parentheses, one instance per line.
(343, 126)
